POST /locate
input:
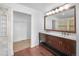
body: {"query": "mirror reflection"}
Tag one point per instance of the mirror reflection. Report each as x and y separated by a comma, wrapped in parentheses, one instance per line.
(62, 21)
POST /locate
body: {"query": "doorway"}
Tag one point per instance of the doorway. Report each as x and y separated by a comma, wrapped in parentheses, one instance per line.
(21, 31)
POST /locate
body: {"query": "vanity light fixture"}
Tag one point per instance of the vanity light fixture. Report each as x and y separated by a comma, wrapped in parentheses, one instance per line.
(59, 9)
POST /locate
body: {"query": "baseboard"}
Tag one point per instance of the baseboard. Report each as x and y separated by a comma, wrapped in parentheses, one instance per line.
(34, 45)
(21, 40)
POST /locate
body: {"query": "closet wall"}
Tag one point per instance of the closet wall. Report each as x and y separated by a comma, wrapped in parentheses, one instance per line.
(22, 26)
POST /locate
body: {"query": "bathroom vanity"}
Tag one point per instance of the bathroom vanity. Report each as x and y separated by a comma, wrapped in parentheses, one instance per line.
(58, 45)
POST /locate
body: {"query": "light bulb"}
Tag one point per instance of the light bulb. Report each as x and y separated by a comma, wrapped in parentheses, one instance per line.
(53, 12)
(61, 9)
(56, 10)
(49, 13)
(66, 6)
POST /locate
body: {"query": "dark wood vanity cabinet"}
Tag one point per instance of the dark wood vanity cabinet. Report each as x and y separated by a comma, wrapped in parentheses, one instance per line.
(62, 46)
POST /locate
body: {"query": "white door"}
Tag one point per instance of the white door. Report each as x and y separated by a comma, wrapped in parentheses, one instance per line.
(3, 32)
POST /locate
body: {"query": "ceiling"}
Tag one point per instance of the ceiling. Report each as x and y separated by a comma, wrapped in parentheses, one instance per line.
(42, 6)
(39, 6)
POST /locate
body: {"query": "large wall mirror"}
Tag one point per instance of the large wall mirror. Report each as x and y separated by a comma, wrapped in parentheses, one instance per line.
(63, 21)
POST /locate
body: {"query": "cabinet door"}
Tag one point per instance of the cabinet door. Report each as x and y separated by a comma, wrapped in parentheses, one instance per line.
(52, 41)
(69, 47)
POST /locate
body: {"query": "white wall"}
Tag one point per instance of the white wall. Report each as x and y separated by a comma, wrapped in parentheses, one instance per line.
(29, 27)
(22, 26)
(77, 29)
